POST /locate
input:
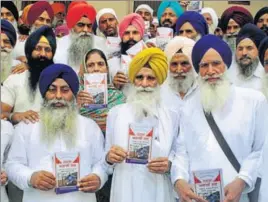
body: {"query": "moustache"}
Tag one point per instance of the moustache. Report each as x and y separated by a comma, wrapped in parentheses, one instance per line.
(146, 89)
(6, 50)
(42, 58)
(175, 75)
(167, 21)
(245, 57)
(55, 103)
(84, 34)
(218, 76)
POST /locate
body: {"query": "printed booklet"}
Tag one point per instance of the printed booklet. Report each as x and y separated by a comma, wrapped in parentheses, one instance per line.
(163, 36)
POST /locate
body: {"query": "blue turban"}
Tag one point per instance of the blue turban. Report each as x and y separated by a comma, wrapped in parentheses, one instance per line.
(195, 19)
(9, 30)
(54, 71)
(175, 6)
(262, 49)
(214, 42)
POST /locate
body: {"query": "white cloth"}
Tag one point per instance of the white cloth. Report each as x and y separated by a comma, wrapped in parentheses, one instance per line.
(16, 93)
(28, 154)
(213, 15)
(132, 182)
(146, 7)
(105, 11)
(19, 49)
(6, 137)
(243, 124)
(263, 197)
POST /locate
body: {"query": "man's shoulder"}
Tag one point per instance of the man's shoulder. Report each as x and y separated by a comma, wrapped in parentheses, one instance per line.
(17, 79)
(25, 129)
(249, 94)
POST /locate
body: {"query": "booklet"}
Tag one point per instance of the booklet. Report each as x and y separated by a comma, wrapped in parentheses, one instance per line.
(67, 171)
(163, 36)
(125, 61)
(209, 184)
(139, 143)
(113, 47)
(96, 85)
(138, 47)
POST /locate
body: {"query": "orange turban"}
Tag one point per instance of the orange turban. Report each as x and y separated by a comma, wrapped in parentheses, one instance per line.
(58, 8)
(25, 14)
(73, 3)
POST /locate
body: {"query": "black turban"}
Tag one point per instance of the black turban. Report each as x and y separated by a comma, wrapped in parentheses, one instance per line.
(262, 49)
(9, 5)
(260, 13)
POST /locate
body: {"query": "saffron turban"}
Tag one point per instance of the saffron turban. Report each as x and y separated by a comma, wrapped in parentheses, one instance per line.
(213, 15)
(262, 49)
(155, 58)
(146, 7)
(195, 19)
(132, 19)
(62, 29)
(37, 9)
(9, 5)
(105, 11)
(239, 14)
(8, 29)
(174, 5)
(54, 71)
(25, 14)
(214, 42)
(58, 8)
(251, 32)
(34, 38)
(76, 12)
(260, 13)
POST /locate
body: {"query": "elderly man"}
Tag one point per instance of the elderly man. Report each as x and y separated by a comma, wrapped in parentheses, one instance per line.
(261, 19)
(9, 12)
(150, 182)
(244, 111)
(146, 12)
(168, 12)
(61, 130)
(232, 20)
(59, 14)
(211, 17)
(247, 71)
(263, 56)
(192, 25)
(153, 27)
(73, 47)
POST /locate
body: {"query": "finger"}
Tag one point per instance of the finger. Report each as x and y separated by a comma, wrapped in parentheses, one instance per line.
(117, 159)
(49, 175)
(25, 120)
(120, 153)
(122, 80)
(30, 119)
(46, 184)
(88, 178)
(88, 183)
(89, 189)
(157, 170)
(160, 159)
(42, 188)
(158, 164)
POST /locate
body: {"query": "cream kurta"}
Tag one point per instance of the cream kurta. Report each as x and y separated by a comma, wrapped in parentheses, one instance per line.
(132, 182)
(29, 154)
(242, 122)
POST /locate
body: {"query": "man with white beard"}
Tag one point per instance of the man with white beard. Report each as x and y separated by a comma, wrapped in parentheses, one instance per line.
(239, 113)
(60, 130)
(72, 48)
(142, 182)
(247, 71)
(211, 18)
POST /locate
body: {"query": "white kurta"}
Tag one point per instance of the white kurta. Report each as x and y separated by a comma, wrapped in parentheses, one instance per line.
(243, 124)
(19, 49)
(16, 93)
(263, 197)
(6, 137)
(28, 154)
(132, 182)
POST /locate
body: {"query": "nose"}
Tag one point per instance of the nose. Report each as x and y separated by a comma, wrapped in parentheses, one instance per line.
(85, 28)
(58, 94)
(183, 33)
(144, 83)
(2, 44)
(131, 36)
(210, 71)
(244, 51)
(43, 52)
(96, 69)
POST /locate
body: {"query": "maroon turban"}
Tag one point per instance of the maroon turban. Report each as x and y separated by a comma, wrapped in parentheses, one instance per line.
(37, 9)
(239, 14)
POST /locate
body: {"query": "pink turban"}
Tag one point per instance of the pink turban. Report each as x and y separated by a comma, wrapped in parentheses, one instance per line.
(62, 29)
(132, 19)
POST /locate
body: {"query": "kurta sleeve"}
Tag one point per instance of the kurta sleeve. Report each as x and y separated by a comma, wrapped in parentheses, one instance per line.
(8, 94)
(17, 163)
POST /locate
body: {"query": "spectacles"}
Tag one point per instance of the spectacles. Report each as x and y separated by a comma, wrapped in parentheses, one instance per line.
(214, 63)
(46, 49)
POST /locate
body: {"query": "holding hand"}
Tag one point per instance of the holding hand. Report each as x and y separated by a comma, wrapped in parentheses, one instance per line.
(90, 183)
(84, 99)
(159, 165)
(43, 180)
(3, 178)
(20, 68)
(116, 155)
(234, 190)
(120, 79)
(26, 117)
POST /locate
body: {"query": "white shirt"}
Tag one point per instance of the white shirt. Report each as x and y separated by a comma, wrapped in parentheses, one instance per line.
(16, 93)
(19, 49)
(243, 124)
(263, 196)
(133, 182)
(29, 154)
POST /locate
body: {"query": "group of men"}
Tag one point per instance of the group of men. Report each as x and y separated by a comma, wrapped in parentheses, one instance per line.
(208, 86)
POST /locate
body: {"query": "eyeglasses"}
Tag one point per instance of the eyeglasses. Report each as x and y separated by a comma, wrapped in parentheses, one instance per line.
(46, 49)
(214, 63)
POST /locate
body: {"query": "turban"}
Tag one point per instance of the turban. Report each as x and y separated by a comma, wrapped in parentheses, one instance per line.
(34, 38)
(25, 12)
(76, 12)
(175, 6)
(9, 5)
(132, 19)
(58, 8)
(251, 32)
(260, 13)
(213, 15)
(195, 19)
(62, 28)
(180, 43)
(214, 42)
(8, 29)
(155, 58)
(239, 14)
(54, 71)
(146, 7)
(74, 3)
(37, 9)
(105, 11)
(262, 49)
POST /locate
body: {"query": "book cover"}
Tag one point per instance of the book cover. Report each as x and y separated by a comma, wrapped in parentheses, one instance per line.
(67, 171)
(163, 36)
(113, 47)
(125, 61)
(138, 47)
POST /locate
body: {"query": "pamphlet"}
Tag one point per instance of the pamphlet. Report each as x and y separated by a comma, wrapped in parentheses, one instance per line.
(125, 61)
(209, 184)
(138, 47)
(163, 36)
(113, 47)
(96, 85)
(139, 143)
(67, 171)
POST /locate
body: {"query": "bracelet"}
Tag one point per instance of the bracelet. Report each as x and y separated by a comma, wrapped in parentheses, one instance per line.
(10, 116)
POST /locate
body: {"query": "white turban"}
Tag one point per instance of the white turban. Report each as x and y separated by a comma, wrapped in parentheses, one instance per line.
(213, 15)
(105, 11)
(145, 6)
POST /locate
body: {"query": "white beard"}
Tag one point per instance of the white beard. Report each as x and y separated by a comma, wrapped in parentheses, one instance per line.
(145, 101)
(33, 29)
(58, 122)
(214, 96)
(211, 28)
(265, 85)
(197, 37)
(6, 65)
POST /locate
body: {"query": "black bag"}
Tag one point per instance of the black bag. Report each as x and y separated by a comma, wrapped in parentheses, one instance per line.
(254, 195)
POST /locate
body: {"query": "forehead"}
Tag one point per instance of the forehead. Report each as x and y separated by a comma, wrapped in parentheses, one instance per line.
(169, 10)
(264, 16)
(84, 20)
(5, 10)
(59, 83)
(187, 25)
(246, 42)
(232, 22)
(211, 54)
(45, 15)
(145, 71)
(143, 10)
(131, 28)
(4, 36)
(42, 44)
(94, 57)
(179, 57)
(107, 15)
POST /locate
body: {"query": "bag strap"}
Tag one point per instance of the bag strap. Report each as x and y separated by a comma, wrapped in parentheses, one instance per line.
(222, 142)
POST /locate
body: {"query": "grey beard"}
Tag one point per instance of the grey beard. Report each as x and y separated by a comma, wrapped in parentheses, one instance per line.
(33, 29)
(6, 65)
(181, 85)
(231, 41)
(247, 70)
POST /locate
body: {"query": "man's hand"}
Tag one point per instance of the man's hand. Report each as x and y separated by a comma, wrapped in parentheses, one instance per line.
(116, 155)
(43, 180)
(23, 37)
(5, 115)
(120, 79)
(158, 165)
(84, 99)
(22, 59)
(186, 193)
(90, 183)
(234, 190)
(3, 177)
(26, 117)
(20, 68)
(150, 45)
